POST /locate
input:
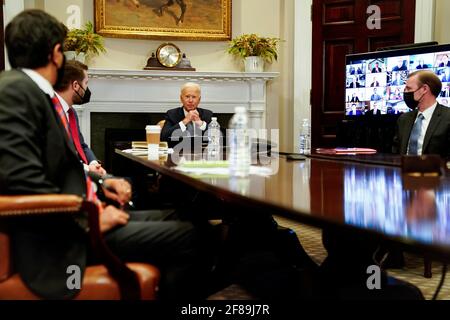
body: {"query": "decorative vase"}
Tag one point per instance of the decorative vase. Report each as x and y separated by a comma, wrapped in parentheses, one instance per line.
(72, 55)
(254, 64)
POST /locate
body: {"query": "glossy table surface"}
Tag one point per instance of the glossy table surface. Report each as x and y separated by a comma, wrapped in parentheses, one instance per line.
(362, 197)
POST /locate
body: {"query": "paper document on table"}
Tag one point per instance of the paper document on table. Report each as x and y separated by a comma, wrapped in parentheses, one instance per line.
(144, 152)
(217, 168)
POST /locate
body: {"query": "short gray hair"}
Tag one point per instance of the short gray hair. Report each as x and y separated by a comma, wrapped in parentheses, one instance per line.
(191, 85)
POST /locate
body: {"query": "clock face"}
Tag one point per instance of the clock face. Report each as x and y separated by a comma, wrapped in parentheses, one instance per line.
(168, 55)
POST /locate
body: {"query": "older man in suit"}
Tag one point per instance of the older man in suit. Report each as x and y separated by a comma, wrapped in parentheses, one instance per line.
(187, 120)
(426, 130)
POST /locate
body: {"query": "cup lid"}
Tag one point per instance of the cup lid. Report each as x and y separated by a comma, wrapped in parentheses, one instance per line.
(153, 128)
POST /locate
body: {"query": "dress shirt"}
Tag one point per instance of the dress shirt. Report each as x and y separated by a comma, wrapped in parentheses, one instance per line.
(47, 88)
(40, 81)
(184, 128)
(66, 108)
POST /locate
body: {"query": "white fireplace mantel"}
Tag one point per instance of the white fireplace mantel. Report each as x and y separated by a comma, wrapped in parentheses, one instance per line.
(137, 91)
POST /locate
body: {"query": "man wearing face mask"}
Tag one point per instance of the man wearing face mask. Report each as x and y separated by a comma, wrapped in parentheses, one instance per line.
(425, 130)
(73, 89)
(38, 156)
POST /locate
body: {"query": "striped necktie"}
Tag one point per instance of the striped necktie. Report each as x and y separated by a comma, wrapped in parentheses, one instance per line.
(60, 111)
(413, 146)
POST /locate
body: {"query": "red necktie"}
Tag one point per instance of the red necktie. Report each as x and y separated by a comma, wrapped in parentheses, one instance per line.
(60, 111)
(76, 135)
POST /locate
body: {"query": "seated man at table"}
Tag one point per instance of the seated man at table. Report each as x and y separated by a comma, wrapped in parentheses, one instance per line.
(188, 120)
(425, 130)
(73, 89)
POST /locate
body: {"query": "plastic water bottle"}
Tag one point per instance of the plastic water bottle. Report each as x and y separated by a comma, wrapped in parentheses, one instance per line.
(305, 138)
(239, 143)
(214, 136)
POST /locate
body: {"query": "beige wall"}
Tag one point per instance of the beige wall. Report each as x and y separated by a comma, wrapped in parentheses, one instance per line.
(274, 18)
(442, 27)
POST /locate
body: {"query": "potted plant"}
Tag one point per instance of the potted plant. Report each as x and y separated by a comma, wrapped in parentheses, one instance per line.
(80, 43)
(255, 50)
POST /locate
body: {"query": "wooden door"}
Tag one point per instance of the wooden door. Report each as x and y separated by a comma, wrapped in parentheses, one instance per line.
(340, 28)
(2, 39)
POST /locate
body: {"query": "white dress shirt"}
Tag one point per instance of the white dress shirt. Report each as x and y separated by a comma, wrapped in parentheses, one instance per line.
(184, 128)
(66, 108)
(40, 81)
(47, 88)
(427, 114)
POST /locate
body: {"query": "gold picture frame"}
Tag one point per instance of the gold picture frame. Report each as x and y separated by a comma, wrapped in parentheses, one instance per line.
(164, 19)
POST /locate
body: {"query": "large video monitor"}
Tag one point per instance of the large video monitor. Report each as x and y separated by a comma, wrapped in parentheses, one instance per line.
(375, 81)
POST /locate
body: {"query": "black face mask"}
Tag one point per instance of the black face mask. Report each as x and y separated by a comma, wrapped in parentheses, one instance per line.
(87, 96)
(409, 99)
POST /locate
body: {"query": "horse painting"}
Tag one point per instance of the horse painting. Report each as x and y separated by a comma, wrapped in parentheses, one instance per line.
(170, 3)
(162, 19)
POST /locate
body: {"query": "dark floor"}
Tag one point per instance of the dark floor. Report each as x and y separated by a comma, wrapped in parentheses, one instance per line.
(312, 242)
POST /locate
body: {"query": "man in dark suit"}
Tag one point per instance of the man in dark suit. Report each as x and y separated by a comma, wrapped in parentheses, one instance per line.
(355, 98)
(375, 83)
(188, 120)
(401, 65)
(354, 111)
(73, 89)
(421, 65)
(426, 130)
(37, 156)
(397, 80)
(375, 111)
(377, 68)
(446, 77)
(445, 62)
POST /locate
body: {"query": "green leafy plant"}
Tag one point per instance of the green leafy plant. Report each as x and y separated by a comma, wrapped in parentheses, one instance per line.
(84, 40)
(248, 45)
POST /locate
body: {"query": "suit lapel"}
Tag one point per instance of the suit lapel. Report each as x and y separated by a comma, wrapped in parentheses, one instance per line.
(434, 123)
(409, 123)
(180, 115)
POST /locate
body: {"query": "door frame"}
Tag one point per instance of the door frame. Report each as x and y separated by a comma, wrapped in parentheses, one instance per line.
(424, 31)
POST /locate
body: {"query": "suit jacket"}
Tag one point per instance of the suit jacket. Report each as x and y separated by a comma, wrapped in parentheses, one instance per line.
(87, 151)
(437, 137)
(372, 112)
(355, 85)
(173, 118)
(376, 70)
(37, 157)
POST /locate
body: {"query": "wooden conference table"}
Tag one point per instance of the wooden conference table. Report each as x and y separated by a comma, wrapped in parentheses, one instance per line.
(365, 194)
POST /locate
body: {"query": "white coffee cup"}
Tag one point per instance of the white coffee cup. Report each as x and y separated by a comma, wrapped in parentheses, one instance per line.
(153, 134)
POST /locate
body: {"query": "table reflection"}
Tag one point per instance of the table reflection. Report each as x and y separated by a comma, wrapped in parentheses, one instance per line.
(384, 201)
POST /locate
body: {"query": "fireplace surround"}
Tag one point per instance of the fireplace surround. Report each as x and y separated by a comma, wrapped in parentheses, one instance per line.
(131, 99)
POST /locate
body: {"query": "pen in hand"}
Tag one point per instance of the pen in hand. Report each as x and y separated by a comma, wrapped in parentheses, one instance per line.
(112, 190)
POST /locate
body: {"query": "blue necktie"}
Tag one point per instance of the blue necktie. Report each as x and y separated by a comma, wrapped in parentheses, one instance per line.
(413, 146)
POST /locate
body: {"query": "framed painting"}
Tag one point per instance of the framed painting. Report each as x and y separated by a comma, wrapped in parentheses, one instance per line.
(164, 19)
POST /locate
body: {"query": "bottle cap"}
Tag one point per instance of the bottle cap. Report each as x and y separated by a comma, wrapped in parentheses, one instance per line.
(214, 118)
(239, 109)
